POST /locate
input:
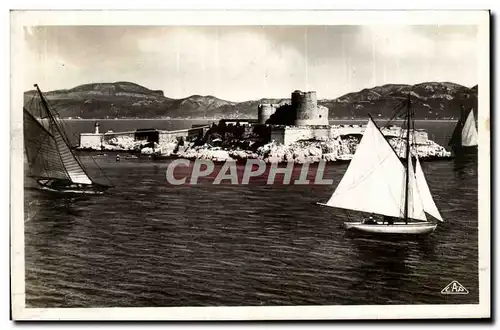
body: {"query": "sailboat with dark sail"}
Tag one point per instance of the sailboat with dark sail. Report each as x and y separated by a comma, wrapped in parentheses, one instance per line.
(51, 161)
(377, 182)
(464, 137)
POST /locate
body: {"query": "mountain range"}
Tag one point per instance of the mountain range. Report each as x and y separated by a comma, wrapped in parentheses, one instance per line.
(430, 100)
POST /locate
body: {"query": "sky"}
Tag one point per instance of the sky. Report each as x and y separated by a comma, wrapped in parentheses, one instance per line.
(240, 63)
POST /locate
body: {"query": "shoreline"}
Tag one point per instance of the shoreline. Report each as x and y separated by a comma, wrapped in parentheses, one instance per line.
(155, 157)
(214, 119)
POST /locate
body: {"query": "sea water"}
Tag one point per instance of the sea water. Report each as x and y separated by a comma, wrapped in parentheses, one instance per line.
(146, 243)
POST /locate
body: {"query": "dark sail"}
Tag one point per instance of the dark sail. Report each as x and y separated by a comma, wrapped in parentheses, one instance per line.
(41, 150)
(465, 133)
(47, 150)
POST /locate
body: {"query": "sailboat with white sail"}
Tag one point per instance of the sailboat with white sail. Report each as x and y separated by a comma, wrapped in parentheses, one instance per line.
(51, 161)
(379, 183)
(464, 137)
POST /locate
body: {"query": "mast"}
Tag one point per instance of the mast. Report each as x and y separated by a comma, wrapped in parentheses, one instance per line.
(408, 158)
(49, 113)
(54, 121)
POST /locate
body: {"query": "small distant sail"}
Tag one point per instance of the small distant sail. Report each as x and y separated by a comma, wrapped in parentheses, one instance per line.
(375, 180)
(425, 193)
(469, 131)
(465, 132)
(48, 154)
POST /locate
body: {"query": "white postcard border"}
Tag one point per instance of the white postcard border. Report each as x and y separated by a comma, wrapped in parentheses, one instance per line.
(19, 19)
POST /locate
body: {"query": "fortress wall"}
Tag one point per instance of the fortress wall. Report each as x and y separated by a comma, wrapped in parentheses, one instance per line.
(109, 136)
(421, 137)
(94, 141)
(278, 134)
(290, 134)
(90, 140)
(167, 136)
(265, 112)
(322, 115)
(294, 134)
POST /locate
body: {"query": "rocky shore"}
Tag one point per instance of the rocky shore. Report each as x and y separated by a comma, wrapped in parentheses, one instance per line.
(310, 151)
(340, 148)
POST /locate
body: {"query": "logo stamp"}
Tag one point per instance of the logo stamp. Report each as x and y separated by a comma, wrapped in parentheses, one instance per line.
(454, 288)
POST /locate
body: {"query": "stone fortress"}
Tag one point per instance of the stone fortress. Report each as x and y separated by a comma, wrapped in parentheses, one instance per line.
(298, 125)
(304, 119)
(303, 110)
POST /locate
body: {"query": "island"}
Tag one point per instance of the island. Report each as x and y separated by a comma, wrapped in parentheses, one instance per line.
(296, 131)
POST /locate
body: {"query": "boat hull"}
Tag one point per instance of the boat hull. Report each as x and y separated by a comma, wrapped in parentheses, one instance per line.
(70, 188)
(86, 191)
(396, 228)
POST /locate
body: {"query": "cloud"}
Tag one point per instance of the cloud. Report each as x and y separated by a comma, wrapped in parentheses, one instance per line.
(412, 54)
(249, 62)
(221, 61)
(420, 42)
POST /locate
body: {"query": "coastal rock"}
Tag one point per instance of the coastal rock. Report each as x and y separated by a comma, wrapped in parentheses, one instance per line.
(429, 149)
(331, 157)
(243, 154)
(167, 148)
(205, 152)
(149, 150)
(123, 143)
(305, 151)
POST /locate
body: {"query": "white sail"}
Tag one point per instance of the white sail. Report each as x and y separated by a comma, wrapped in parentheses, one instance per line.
(425, 193)
(73, 168)
(375, 179)
(415, 205)
(469, 131)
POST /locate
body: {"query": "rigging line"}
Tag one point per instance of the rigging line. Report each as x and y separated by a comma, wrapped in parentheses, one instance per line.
(54, 114)
(378, 128)
(65, 127)
(395, 111)
(100, 170)
(62, 123)
(30, 102)
(40, 147)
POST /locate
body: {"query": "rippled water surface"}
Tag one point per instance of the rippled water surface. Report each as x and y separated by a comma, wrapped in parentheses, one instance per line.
(147, 243)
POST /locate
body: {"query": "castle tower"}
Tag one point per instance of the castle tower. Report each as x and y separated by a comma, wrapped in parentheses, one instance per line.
(265, 112)
(306, 109)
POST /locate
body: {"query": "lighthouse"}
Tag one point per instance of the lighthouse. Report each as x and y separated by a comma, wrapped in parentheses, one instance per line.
(96, 128)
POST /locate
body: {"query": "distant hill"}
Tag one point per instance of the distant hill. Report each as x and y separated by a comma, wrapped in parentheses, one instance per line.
(432, 100)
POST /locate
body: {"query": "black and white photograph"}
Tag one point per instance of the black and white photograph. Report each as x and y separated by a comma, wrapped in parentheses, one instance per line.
(250, 165)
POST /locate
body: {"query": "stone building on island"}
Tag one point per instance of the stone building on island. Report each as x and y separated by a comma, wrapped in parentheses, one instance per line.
(304, 119)
(299, 120)
(302, 111)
